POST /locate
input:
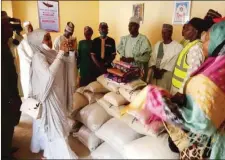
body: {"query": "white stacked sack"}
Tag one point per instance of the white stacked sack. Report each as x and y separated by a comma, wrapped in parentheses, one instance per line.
(90, 114)
(93, 116)
(149, 147)
(110, 135)
(105, 151)
(88, 138)
(117, 134)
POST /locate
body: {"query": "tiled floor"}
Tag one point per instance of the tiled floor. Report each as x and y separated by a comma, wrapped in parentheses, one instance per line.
(22, 138)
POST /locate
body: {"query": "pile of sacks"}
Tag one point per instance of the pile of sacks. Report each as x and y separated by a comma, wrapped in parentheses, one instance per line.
(107, 133)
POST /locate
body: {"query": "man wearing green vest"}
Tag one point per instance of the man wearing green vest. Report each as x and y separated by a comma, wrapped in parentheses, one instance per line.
(191, 57)
(163, 59)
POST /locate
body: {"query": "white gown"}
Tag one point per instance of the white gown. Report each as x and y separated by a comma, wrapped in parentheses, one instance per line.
(25, 55)
(50, 82)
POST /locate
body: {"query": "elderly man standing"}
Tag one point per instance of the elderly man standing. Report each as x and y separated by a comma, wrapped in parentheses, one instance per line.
(68, 33)
(163, 59)
(135, 47)
(103, 51)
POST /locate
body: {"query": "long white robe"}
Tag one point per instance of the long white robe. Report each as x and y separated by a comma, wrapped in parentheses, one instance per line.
(25, 55)
(168, 62)
(51, 131)
(50, 84)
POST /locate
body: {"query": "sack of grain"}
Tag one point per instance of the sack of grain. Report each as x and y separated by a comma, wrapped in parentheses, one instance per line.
(96, 87)
(109, 108)
(105, 82)
(105, 151)
(93, 116)
(92, 97)
(115, 99)
(88, 138)
(149, 148)
(116, 133)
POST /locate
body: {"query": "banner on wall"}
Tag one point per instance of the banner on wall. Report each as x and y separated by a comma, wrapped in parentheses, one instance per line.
(48, 13)
(181, 13)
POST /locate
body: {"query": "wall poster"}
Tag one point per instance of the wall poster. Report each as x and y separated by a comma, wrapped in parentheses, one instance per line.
(138, 11)
(181, 12)
(48, 13)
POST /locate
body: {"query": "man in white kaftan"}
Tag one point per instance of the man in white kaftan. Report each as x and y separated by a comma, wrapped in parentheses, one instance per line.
(51, 72)
(163, 59)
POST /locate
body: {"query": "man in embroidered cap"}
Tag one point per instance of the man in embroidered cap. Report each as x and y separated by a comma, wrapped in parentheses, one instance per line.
(163, 59)
(191, 57)
(11, 101)
(103, 51)
(135, 47)
(68, 33)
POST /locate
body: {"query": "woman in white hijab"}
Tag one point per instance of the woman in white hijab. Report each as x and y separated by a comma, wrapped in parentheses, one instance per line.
(52, 83)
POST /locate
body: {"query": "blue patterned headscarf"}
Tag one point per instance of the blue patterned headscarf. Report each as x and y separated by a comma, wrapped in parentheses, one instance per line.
(217, 36)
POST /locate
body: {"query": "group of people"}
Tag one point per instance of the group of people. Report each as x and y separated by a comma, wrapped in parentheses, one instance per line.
(48, 71)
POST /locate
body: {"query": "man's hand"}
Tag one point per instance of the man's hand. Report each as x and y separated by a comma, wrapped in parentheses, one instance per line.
(158, 73)
(128, 60)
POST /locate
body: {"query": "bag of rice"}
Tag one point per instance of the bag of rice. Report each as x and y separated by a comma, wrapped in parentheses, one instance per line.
(93, 116)
(88, 138)
(116, 133)
(115, 99)
(138, 103)
(152, 129)
(92, 97)
(110, 86)
(133, 85)
(79, 101)
(96, 87)
(129, 95)
(149, 148)
(105, 151)
(109, 108)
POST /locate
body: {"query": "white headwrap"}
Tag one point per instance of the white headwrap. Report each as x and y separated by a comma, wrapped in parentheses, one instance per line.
(35, 39)
(26, 23)
(135, 20)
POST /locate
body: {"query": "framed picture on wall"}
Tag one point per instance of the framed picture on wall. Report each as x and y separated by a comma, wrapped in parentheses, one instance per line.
(48, 14)
(181, 13)
(138, 11)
